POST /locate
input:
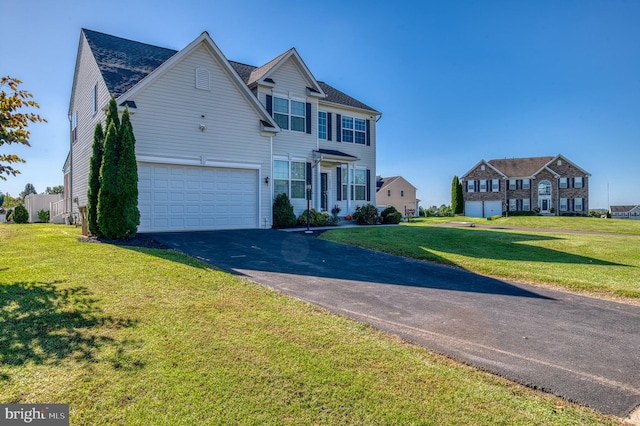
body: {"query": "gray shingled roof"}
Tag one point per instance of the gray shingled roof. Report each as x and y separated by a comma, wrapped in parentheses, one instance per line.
(123, 63)
(520, 167)
(622, 209)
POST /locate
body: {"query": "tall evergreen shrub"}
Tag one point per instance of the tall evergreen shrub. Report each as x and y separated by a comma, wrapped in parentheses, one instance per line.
(94, 181)
(457, 198)
(128, 178)
(283, 215)
(109, 208)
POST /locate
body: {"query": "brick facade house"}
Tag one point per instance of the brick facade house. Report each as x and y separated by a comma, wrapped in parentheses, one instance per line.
(548, 185)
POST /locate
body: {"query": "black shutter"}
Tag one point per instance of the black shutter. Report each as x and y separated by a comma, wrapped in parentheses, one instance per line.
(308, 118)
(329, 126)
(368, 183)
(518, 180)
(368, 134)
(338, 128)
(270, 105)
(339, 180)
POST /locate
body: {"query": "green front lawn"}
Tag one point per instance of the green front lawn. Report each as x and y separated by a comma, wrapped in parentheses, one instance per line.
(607, 264)
(149, 337)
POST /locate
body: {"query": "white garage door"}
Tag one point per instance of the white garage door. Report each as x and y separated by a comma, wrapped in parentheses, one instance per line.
(473, 208)
(492, 208)
(176, 198)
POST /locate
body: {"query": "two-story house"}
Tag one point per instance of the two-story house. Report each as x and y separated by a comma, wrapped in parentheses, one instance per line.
(217, 140)
(548, 185)
(396, 191)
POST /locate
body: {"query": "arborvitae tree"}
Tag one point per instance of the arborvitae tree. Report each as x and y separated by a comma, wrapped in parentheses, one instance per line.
(112, 114)
(457, 198)
(109, 208)
(94, 181)
(128, 178)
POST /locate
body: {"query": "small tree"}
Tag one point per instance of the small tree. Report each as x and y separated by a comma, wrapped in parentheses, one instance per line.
(283, 215)
(13, 124)
(457, 198)
(128, 179)
(28, 189)
(94, 181)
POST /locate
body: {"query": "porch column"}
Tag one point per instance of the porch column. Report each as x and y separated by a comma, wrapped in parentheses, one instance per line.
(348, 192)
(318, 201)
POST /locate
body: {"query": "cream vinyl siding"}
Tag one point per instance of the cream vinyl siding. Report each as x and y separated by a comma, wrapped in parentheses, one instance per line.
(170, 112)
(88, 76)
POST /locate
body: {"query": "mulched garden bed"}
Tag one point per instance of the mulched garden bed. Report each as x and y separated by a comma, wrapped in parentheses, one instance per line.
(140, 240)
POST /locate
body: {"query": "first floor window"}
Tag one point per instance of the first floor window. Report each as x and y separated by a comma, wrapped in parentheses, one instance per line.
(513, 204)
(526, 204)
(322, 125)
(577, 204)
(564, 205)
(358, 188)
(289, 178)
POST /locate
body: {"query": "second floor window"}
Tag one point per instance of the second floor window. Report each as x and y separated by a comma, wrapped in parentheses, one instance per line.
(526, 183)
(290, 115)
(577, 183)
(354, 130)
(483, 185)
(322, 125)
(512, 184)
(495, 185)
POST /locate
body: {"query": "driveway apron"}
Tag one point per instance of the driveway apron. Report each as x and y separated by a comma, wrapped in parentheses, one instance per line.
(583, 349)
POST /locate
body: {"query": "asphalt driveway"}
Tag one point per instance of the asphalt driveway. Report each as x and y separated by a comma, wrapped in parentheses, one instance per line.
(583, 349)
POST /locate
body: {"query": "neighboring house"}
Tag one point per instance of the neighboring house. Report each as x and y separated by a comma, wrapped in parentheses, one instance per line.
(552, 185)
(396, 191)
(217, 140)
(625, 212)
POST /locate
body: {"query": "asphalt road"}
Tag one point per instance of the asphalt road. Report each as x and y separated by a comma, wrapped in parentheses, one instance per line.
(583, 349)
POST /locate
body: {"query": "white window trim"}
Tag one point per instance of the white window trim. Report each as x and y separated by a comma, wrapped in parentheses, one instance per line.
(326, 125)
(576, 180)
(497, 186)
(290, 176)
(480, 185)
(349, 173)
(513, 184)
(565, 207)
(471, 186)
(94, 99)
(353, 129)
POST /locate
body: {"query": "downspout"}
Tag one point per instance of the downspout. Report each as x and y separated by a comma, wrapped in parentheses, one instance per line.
(270, 180)
(70, 206)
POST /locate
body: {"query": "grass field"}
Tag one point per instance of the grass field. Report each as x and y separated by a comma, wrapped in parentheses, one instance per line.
(152, 337)
(606, 264)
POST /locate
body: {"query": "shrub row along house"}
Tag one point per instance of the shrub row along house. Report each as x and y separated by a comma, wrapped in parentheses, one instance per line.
(546, 185)
(217, 140)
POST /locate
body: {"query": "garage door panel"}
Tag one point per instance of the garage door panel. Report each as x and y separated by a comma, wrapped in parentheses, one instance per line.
(473, 208)
(492, 208)
(175, 197)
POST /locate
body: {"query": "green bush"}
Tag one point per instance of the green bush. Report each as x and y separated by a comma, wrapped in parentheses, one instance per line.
(366, 215)
(43, 215)
(20, 215)
(391, 215)
(315, 218)
(520, 213)
(283, 215)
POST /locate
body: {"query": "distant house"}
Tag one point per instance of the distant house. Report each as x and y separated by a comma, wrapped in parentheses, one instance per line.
(548, 185)
(217, 140)
(396, 191)
(625, 212)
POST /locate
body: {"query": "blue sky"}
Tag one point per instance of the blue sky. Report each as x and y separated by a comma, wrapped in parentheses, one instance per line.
(456, 81)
